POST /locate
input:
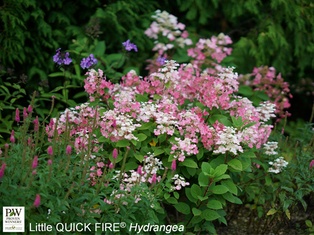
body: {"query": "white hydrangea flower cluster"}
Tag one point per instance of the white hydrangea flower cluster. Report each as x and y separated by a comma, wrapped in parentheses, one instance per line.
(270, 148)
(147, 111)
(125, 123)
(152, 164)
(168, 26)
(228, 140)
(179, 182)
(278, 165)
(230, 78)
(266, 110)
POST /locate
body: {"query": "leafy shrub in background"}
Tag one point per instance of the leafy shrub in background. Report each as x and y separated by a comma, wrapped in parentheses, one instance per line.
(274, 33)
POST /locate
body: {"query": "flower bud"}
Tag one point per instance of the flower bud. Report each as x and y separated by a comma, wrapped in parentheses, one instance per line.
(115, 153)
(12, 139)
(25, 114)
(37, 200)
(29, 109)
(174, 165)
(50, 150)
(2, 170)
(154, 179)
(17, 115)
(35, 162)
(36, 124)
(139, 170)
(68, 150)
(312, 164)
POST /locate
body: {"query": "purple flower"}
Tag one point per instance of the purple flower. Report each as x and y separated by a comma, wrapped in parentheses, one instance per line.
(88, 62)
(161, 60)
(62, 58)
(129, 46)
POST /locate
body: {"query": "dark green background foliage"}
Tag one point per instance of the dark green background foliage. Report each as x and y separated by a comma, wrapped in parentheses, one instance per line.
(277, 33)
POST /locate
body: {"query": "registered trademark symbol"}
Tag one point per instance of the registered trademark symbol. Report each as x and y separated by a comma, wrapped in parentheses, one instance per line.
(122, 225)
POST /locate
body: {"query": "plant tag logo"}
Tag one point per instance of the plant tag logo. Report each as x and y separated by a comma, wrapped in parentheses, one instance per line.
(13, 219)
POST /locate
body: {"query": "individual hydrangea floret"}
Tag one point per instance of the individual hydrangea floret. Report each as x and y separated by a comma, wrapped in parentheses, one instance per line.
(88, 62)
(62, 58)
(129, 46)
(278, 165)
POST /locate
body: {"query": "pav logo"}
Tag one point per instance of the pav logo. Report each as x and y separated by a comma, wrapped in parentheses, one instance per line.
(13, 219)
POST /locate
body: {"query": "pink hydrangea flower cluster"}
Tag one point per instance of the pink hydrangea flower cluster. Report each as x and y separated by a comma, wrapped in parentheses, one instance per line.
(168, 90)
(149, 172)
(78, 122)
(168, 26)
(211, 52)
(168, 34)
(264, 78)
(96, 83)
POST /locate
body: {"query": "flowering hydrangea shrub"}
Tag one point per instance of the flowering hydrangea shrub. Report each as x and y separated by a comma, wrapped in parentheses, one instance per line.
(164, 121)
(180, 131)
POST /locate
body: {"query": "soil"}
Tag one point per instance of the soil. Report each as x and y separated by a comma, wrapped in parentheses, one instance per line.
(243, 221)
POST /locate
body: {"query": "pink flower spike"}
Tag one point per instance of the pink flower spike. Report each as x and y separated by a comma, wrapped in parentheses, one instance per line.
(12, 139)
(154, 179)
(36, 124)
(29, 109)
(2, 170)
(35, 162)
(139, 170)
(312, 164)
(17, 115)
(37, 201)
(25, 114)
(50, 150)
(68, 150)
(174, 165)
(29, 141)
(115, 153)
(111, 165)
(49, 162)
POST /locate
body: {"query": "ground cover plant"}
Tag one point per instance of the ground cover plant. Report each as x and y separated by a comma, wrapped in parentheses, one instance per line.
(177, 147)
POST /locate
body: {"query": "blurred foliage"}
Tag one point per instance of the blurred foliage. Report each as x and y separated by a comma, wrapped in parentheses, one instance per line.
(274, 32)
